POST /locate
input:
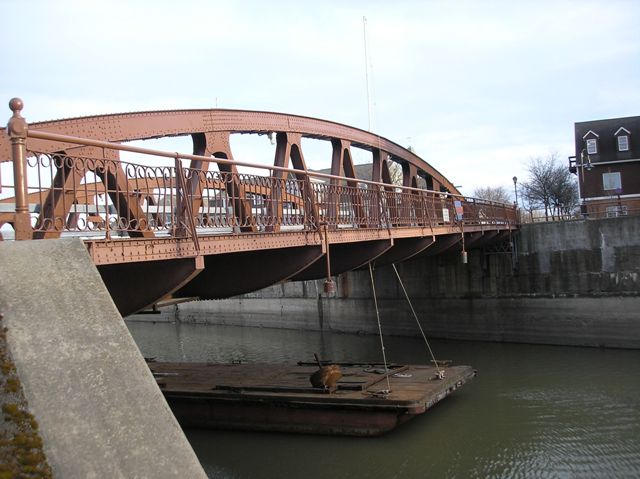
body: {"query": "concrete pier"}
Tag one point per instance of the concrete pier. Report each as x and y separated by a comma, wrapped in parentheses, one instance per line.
(97, 406)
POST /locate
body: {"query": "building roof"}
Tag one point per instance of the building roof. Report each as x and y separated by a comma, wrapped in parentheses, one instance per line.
(606, 132)
(608, 126)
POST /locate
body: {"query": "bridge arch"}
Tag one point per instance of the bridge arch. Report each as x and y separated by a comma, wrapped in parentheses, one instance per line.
(213, 126)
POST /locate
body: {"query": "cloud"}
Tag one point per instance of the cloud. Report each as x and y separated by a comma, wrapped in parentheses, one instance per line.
(475, 85)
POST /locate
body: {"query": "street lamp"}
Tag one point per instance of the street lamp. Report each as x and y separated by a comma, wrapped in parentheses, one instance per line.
(585, 164)
(515, 188)
(585, 160)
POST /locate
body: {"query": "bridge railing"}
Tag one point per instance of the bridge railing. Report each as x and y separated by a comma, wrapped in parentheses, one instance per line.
(88, 190)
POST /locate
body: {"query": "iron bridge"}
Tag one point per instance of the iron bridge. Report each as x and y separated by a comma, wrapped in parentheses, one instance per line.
(194, 225)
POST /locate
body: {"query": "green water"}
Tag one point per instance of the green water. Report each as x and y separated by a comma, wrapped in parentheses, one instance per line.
(532, 411)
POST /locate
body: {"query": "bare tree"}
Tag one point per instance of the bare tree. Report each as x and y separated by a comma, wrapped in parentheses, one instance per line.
(550, 186)
(492, 193)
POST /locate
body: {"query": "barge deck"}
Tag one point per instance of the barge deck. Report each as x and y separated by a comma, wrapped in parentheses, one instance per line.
(278, 397)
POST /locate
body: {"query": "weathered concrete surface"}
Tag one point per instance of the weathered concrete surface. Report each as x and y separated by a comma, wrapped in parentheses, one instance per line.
(99, 409)
(591, 257)
(21, 453)
(599, 322)
(574, 283)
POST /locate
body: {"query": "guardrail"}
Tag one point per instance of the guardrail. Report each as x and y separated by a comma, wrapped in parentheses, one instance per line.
(607, 210)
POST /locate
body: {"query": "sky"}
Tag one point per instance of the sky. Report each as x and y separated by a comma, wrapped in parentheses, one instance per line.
(476, 88)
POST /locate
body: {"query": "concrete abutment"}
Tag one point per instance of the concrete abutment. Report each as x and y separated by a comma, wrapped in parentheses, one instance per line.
(98, 409)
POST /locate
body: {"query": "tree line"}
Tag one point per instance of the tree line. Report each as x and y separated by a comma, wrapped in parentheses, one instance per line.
(550, 186)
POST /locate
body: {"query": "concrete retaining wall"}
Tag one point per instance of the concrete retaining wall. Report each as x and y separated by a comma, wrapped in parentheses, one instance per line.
(598, 322)
(98, 408)
(575, 283)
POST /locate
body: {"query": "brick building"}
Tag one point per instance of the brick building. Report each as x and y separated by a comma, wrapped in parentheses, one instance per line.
(607, 162)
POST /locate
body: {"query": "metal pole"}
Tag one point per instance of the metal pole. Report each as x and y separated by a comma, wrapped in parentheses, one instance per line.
(366, 69)
(17, 131)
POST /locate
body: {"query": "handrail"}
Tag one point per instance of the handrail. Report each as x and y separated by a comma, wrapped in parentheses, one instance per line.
(176, 199)
(87, 194)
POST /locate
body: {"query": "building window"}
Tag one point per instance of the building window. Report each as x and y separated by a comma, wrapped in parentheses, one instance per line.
(592, 146)
(612, 181)
(623, 143)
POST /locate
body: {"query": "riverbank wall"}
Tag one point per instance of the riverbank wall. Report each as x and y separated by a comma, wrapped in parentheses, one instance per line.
(570, 283)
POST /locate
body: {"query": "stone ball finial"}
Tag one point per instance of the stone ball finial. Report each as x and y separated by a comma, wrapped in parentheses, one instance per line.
(16, 105)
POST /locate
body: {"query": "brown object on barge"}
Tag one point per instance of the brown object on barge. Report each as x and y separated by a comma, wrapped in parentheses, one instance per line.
(277, 397)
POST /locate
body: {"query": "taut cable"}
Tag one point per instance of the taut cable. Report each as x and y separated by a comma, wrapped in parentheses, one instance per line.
(433, 358)
(384, 356)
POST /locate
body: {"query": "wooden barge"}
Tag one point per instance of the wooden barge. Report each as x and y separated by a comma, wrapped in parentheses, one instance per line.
(275, 397)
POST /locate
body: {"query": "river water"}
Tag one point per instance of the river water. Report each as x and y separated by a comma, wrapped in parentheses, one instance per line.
(532, 411)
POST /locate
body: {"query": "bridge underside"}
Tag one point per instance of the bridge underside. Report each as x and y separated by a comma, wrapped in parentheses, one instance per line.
(134, 286)
(230, 265)
(227, 275)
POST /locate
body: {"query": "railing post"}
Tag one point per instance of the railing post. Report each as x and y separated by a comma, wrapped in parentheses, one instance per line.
(183, 220)
(17, 131)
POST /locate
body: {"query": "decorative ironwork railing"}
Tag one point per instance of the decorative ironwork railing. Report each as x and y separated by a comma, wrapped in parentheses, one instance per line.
(99, 194)
(82, 194)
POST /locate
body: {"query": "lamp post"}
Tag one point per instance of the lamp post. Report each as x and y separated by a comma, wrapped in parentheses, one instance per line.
(585, 163)
(515, 188)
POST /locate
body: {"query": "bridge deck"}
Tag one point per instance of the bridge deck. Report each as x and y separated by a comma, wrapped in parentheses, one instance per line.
(126, 250)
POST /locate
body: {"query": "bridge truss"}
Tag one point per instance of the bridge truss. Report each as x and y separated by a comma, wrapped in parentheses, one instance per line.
(192, 225)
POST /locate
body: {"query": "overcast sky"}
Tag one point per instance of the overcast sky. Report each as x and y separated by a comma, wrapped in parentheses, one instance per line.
(476, 88)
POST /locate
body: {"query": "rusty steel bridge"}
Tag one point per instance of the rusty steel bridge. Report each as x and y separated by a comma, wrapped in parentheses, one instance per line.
(169, 224)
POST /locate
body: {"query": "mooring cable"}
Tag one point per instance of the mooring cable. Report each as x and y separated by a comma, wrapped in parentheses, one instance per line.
(384, 356)
(424, 336)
